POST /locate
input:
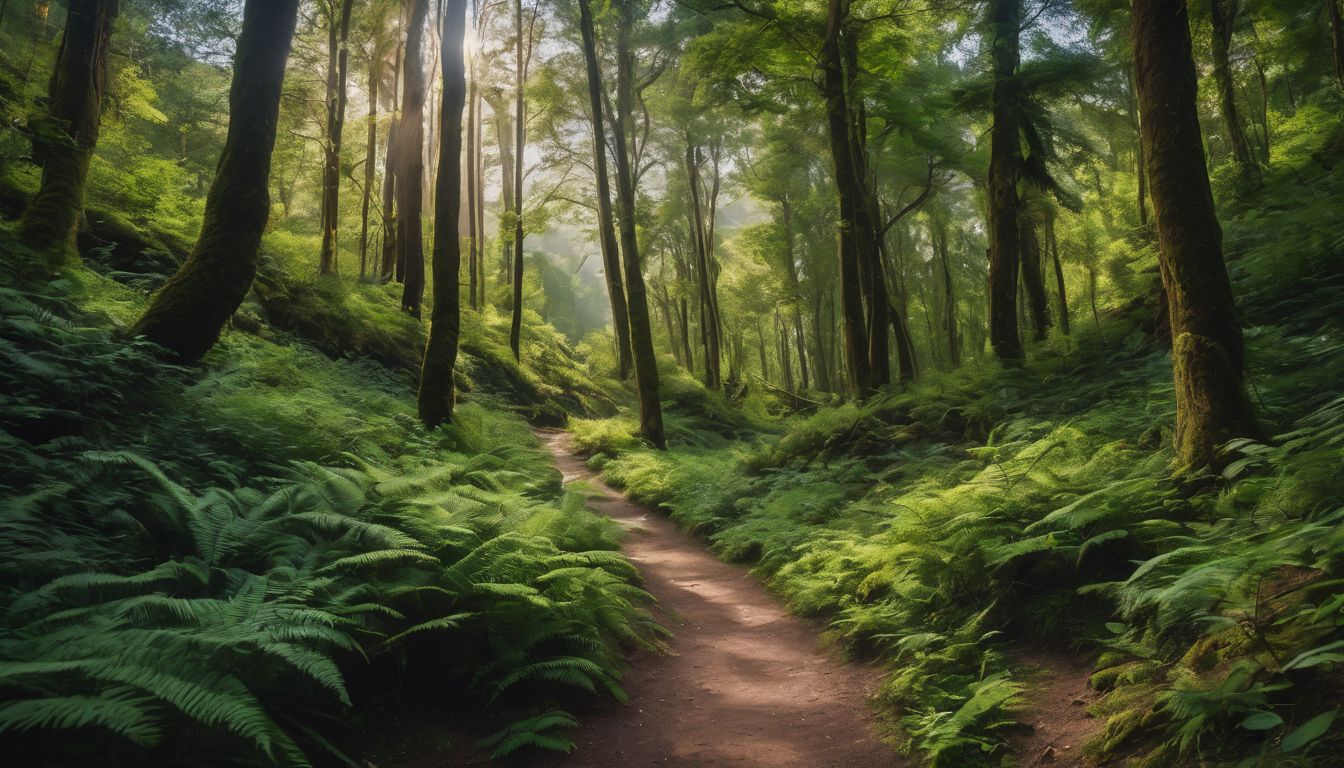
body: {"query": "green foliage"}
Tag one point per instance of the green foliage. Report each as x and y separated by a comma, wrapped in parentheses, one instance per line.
(223, 577)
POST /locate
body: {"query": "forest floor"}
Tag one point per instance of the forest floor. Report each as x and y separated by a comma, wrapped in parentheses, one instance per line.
(744, 682)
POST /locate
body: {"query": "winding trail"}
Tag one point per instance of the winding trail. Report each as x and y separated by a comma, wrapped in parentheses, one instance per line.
(746, 684)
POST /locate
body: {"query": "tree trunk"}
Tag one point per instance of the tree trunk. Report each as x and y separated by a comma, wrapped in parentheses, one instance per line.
(480, 202)
(74, 103)
(848, 181)
(370, 156)
(791, 274)
(473, 234)
(1004, 165)
(949, 295)
(519, 139)
(1337, 38)
(1059, 276)
(703, 240)
(338, 68)
(411, 165)
(504, 141)
(1033, 278)
(390, 156)
(1224, 13)
(611, 255)
(435, 400)
(188, 313)
(1207, 347)
(641, 331)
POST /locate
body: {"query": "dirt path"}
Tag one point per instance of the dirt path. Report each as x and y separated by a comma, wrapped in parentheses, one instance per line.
(746, 684)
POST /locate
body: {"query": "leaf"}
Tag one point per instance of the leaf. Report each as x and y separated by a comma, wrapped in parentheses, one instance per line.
(1309, 731)
(1262, 721)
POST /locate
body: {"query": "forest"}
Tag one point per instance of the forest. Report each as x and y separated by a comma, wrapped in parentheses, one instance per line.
(948, 383)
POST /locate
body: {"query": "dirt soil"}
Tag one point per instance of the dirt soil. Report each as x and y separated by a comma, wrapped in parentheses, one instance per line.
(1056, 705)
(745, 684)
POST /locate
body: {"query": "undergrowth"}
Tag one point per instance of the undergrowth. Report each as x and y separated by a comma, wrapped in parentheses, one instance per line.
(940, 527)
(229, 563)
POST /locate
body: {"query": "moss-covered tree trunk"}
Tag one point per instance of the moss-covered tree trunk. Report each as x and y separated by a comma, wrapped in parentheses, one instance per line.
(1004, 165)
(188, 313)
(435, 401)
(69, 131)
(338, 70)
(641, 329)
(1224, 13)
(611, 255)
(1207, 347)
(411, 164)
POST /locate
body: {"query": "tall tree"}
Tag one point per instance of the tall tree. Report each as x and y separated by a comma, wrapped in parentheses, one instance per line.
(388, 270)
(641, 328)
(1224, 13)
(1336, 38)
(523, 54)
(69, 133)
(338, 70)
(435, 402)
(851, 236)
(411, 164)
(1005, 20)
(370, 158)
(1207, 347)
(611, 257)
(188, 313)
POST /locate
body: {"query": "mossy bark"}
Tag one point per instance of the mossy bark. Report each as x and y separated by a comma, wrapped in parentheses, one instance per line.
(641, 329)
(68, 133)
(435, 401)
(1004, 165)
(188, 313)
(611, 255)
(1207, 346)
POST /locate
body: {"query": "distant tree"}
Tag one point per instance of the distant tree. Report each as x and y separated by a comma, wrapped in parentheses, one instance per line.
(1224, 14)
(188, 313)
(641, 328)
(338, 68)
(1207, 346)
(1005, 21)
(65, 138)
(435, 400)
(410, 144)
(611, 256)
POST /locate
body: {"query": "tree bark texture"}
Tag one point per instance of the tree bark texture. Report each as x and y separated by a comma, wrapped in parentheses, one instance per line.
(338, 69)
(611, 255)
(411, 164)
(1004, 165)
(435, 401)
(641, 330)
(65, 145)
(189, 312)
(1207, 346)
